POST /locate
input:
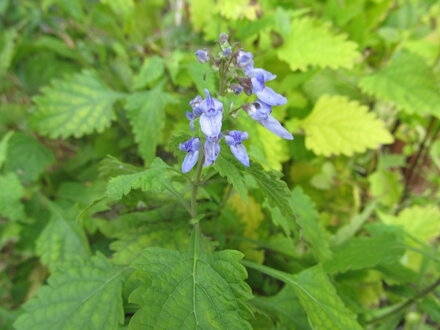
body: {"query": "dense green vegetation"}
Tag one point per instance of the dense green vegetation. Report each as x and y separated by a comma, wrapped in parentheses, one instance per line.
(336, 229)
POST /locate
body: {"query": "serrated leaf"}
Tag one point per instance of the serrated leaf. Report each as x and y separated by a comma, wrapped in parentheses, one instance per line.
(151, 70)
(307, 218)
(11, 191)
(408, 82)
(190, 290)
(310, 43)
(318, 297)
(286, 224)
(27, 157)
(7, 48)
(77, 105)
(4, 147)
(229, 168)
(387, 186)
(364, 252)
(275, 190)
(152, 179)
(146, 111)
(340, 126)
(235, 9)
(62, 239)
(79, 295)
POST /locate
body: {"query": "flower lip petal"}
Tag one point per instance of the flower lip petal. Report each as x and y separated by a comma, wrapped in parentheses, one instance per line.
(239, 151)
(211, 125)
(267, 76)
(270, 97)
(189, 161)
(275, 127)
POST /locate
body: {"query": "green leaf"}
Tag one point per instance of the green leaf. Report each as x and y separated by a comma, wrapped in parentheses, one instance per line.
(122, 8)
(198, 10)
(146, 111)
(235, 9)
(27, 157)
(408, 83)
(151, 70)
(202, 76)
(311, 43)
(421, 222)
(285, 308)
(11, 192)
(4, 147)
(387, 186)
(340, 126)
(79, 295)
(7, 48)
(287, 224)
(191, 290)
(77, 105)
(307, 218)
(364, 252)
(318, 297)
(62, 239)
(275, 190)
(229, 168)
(152, 179)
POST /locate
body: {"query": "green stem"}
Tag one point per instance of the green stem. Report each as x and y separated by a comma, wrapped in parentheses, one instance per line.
(406, 304)
(196, 184)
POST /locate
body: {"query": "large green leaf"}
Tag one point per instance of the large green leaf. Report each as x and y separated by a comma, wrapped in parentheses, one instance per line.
(7, 48)
(151, 70)
(146, 111)
(318, 297)
(311, 43)
(11, 191)
(27, 157)
(79, 295)
(75, 106)
(191, 290)
(408, 82)
(62, 239)
(307, 218)
(153, 179)
(364, 252)
(340, 126)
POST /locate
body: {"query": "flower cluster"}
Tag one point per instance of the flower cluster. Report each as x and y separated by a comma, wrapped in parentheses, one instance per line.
(237, 74)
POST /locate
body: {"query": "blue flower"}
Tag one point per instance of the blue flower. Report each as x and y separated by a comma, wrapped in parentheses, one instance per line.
(260, 112)
(202, 55)
(197, 111)
(212, 149)
(223, 38)
(266, 94)
(227, 52)
(245, 60)
(267, 76)
(211, 119)
(192, 147)
(234, 140)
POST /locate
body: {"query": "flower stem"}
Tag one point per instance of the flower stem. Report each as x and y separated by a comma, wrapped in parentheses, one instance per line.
(195, 185)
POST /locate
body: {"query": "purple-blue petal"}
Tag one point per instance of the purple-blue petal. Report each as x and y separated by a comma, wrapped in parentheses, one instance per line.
(189, 161)
(212, 150)
(270, 97)
(267, 76)
(202, 55)
(275, 127)
(239, 151)
(211, 125)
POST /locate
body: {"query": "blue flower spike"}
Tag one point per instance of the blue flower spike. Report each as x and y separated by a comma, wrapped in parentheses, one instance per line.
(212, 149)
(260, 112)
(192, 147)
(234, 139)
(202, 55)
(211, 119)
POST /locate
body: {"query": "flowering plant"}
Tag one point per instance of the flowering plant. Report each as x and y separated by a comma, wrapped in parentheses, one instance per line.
(237, 75)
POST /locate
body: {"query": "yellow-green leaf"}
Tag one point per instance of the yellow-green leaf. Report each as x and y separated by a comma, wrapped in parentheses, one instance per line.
(340, 126)
(311, 43)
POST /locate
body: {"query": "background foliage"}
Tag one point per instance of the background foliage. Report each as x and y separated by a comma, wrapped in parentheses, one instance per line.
(338, 229)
